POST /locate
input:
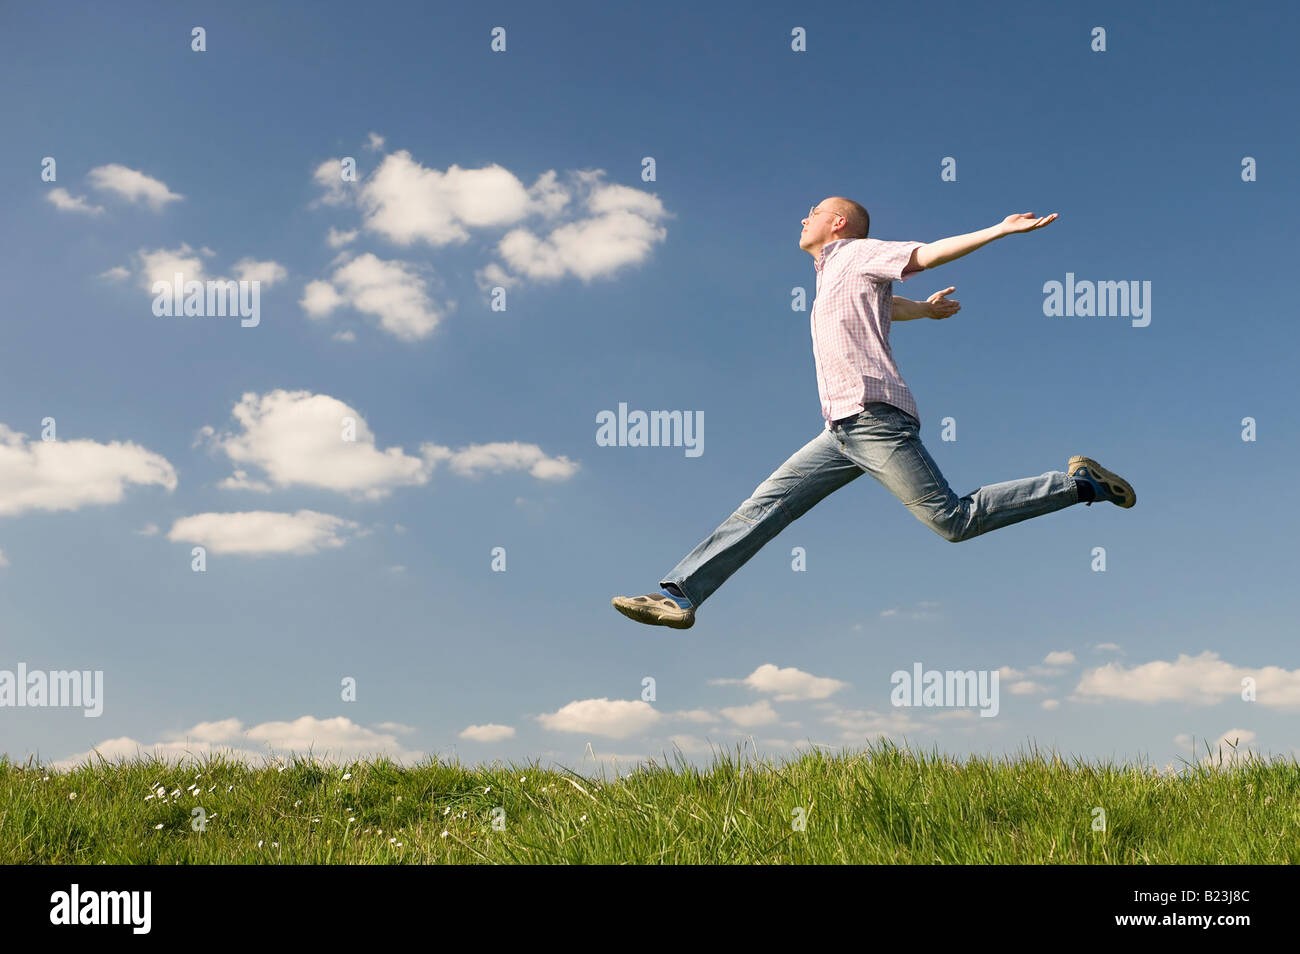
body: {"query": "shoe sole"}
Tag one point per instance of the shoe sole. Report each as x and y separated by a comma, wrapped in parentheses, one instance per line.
(1120, 491)
(652, 613)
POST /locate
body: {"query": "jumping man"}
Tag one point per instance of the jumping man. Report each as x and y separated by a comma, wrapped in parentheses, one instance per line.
(871, 420)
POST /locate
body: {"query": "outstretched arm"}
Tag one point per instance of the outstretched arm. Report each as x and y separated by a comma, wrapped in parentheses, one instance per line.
(936, 306)
(904, 309)
(948, 249)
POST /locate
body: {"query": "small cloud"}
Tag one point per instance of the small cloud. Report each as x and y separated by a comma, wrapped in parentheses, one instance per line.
(791, 683)
(267, 273)
(375, 142)
(260, 532)
(132, 185)
(1050, 704)
(148, 530)
(338, 238)
(337, 190)
(760, 713)
(66, 202)
(116, 274)
(1061, 658)
(612, 718)
(491, 732)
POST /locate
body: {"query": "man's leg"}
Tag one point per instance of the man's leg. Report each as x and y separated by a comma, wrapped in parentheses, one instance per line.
(885, 441)
(815, 470)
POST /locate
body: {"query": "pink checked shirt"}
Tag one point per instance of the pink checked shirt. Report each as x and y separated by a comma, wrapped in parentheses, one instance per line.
(850, 325)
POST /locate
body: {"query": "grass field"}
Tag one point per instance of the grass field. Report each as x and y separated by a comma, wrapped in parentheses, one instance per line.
(884, 804)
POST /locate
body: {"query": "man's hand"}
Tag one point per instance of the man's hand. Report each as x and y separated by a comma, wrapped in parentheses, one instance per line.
(1024, 222)
(938, 306)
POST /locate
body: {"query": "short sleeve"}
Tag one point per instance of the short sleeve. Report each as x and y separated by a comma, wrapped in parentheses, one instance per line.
(884, 261)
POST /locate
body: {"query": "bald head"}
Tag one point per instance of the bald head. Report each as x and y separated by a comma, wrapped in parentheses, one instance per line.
(859, 222)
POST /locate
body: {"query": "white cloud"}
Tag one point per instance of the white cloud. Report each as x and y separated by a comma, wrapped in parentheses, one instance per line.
(501, 456)
(407, 202)
(64, 201)
(69, 474)
(1026, 687)
(337, 190)
(1204, 680)
(297, 438)
(148, 530)
(492, 275)
(1108, 647)
(622, 231)
(1050, 704)
(132, 185)
(164, 264)
(491, 732)
(546, 196)
(759, 713)
(327, 740)
(792, 683)
(319, 299)
(375, 142)
(1061, 658)
(268, 273)
(695, 715)
(612, 718)
(258, 532)
(393, 291)
(338, 238)
(116, 274)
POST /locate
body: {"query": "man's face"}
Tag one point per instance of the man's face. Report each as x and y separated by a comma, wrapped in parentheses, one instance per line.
(824, 225)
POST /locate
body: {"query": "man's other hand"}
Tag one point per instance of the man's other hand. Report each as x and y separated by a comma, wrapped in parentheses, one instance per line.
(938, 306)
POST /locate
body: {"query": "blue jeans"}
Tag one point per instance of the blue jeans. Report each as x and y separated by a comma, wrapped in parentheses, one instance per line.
(883, 441)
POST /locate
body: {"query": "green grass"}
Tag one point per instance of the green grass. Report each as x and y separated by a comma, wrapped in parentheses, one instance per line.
(882, 805)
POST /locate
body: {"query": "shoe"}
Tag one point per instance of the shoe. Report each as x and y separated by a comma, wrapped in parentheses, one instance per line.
(1106, 486)
(655, 609)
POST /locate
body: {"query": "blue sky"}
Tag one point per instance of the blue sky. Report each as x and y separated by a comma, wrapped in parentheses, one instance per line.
(373, 559)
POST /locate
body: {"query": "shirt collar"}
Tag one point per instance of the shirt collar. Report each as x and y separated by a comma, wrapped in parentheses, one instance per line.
(820, 262)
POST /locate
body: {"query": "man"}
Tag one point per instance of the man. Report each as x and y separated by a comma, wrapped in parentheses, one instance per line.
(871, 420)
